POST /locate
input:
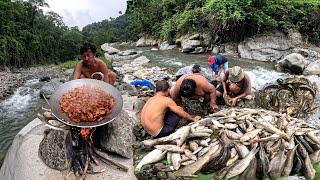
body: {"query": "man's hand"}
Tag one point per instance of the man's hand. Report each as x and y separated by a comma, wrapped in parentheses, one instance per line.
(215, 107)
(224, 94)
(196, 118)
(234, 101)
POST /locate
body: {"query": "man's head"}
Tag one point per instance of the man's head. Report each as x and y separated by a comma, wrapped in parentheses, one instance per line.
(188, 88)
(236, 74)
(196, 68)
(88, 52)
(162, 86)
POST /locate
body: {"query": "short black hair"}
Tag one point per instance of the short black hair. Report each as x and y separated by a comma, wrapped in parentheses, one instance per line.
(162, 86)
(188, 88)
(86, 47)
(196, 68)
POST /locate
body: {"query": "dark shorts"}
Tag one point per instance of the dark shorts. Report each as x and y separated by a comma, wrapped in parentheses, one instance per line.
(171, 121)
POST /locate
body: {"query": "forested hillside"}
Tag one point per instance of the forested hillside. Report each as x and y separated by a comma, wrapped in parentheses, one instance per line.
(229, 20)
(28, 36)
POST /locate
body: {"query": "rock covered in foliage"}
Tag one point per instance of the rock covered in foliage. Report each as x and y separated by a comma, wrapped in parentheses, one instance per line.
(267, 47)
(313, 68)
(294, 63)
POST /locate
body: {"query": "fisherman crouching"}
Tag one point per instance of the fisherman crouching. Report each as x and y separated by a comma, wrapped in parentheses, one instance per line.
(161, 115)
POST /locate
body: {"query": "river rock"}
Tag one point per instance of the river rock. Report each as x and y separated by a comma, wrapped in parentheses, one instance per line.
(188, 45)
(140, 61)
(127, 53)
(53, 149)
(195, 37)
(49, 88)
(109, 49)
(206, 40)
(308, 54)
(154, 49)
(145, 41)
(117, 136)
(199, 50)
(294, 63)
(266, 47)
(166, 46)
(313, 68)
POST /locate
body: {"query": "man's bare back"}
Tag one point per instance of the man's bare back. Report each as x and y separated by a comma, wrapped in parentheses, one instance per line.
(160, 115)
(153, 113)
(203, 88)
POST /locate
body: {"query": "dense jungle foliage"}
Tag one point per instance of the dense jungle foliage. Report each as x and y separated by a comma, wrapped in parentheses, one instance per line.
(28, 36)
(225, 20)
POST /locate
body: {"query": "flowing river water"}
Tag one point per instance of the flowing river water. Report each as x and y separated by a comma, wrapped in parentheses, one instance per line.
(22, 107)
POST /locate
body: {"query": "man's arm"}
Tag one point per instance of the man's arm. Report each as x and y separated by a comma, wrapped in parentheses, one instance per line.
(179, 110)
(174, 92)
(104, 71)
(224, 84)
(209, 88)
(77, 71)
(247, 88)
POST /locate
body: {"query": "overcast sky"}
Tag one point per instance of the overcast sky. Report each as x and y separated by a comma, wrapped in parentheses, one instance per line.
(82, 12)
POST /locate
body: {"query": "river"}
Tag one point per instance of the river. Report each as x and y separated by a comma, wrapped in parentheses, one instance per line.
(23, 106)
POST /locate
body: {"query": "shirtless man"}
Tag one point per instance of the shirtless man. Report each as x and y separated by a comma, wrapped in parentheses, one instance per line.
(236, 84)
(194, 86)
(90, 65)
(161, 115)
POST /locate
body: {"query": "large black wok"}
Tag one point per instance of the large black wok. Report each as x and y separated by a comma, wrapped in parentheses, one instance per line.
(64, 88)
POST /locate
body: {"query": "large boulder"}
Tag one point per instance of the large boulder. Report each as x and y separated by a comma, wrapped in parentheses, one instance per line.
(166, 46)
(109, 49)
(49, 88)
(308, 54)
(140, 61)
(313, 68)
(267, 47)
(145, 41)
(54, 149)
(188, 45)
(117, 136)
(294, 63)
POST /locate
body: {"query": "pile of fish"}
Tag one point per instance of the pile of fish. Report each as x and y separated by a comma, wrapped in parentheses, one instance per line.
(239, 142)
(295, 96)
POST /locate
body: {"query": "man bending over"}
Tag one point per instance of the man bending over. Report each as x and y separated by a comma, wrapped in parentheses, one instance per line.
(161, 115)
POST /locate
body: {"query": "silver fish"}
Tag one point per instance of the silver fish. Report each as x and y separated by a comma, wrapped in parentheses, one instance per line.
(184, 134)
(193, 145)
(250, 135)
(154, 156)
(170, 148)
(176, 158)
(242, 150)
(189, 154)
(242, 164)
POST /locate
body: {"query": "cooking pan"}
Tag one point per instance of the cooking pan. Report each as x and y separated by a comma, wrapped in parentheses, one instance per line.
(70, 85)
